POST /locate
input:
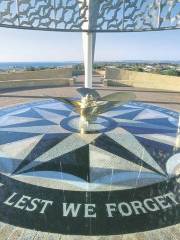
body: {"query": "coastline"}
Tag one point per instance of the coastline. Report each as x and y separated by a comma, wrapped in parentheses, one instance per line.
(30, 66)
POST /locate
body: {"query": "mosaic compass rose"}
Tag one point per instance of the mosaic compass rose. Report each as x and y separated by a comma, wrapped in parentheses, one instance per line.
(129, 151)
(129, 146)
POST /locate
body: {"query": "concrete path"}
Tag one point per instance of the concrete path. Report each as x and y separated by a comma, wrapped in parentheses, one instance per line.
(166, 99)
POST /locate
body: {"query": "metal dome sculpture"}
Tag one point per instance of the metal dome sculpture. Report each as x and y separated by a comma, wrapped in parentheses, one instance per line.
(90, 16)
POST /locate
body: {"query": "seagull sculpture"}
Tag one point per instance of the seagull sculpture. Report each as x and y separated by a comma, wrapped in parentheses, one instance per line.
(91, 105)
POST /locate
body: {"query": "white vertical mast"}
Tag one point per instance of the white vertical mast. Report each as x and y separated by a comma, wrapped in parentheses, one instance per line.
(88, 57)
(89, 40)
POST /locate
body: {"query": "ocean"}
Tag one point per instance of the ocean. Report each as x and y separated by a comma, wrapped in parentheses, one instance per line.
(4, 66)
(23, 65)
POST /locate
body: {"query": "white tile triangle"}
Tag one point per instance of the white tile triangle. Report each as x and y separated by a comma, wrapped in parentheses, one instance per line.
(19, 149)
(11, 120)
(55, 105)
(69, 144)
(47, 129)
(170, 140)
(100, 158)
(128, 141)
(18, 111)
(150, 114)
(118, 113)
(52, 117)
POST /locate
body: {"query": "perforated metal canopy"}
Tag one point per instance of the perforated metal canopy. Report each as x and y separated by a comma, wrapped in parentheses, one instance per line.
(91, 15)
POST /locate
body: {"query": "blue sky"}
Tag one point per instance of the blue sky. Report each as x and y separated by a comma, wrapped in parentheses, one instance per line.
(24, 45)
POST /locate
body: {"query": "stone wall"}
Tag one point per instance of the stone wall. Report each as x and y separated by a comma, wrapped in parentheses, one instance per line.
(37, 74)
(100, 72)
(115, 76)
(38, 78)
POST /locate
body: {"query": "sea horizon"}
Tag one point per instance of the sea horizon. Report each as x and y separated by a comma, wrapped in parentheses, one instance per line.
(35, 64)
(51, 64)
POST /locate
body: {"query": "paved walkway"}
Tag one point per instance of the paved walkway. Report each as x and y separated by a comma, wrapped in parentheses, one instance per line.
(162, 98)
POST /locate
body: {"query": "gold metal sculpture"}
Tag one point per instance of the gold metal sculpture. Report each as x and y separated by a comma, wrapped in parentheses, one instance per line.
(91, 105)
